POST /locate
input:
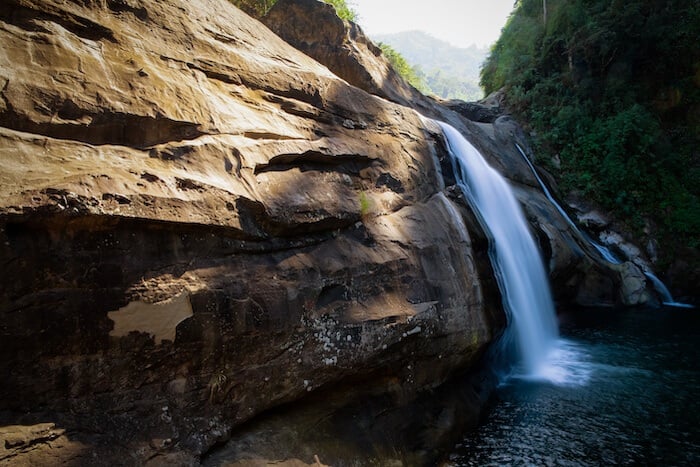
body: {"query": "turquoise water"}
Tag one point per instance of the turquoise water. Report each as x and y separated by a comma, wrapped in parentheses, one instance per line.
(626, 391)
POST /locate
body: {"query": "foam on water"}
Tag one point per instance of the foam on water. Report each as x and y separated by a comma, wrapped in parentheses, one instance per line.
(566, 364)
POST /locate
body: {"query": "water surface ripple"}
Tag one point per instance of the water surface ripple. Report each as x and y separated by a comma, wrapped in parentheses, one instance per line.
(622, 387)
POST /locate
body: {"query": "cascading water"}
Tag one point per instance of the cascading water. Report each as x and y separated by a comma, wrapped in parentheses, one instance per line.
(662, 290)
(536, 423)
(666, 297)
(603, 251)
(517, 263)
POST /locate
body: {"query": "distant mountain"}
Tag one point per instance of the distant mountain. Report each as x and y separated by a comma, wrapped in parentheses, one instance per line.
(450, 72)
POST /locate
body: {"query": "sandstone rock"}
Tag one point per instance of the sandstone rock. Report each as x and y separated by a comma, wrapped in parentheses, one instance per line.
(329, 427)
(288, 231)
(314, 28)
(633, 290)
(576, 275)
(623, 248)
(23, 437)
(475, 111)
(496, 100)
(39, 442)
(594, 220)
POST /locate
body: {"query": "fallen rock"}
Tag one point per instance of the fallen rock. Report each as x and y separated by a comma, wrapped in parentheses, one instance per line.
(633, 290)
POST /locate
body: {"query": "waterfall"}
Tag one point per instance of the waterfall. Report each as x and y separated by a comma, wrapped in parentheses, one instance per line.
(661, 289)
(604, 252)
(666, 297)
(514, 254)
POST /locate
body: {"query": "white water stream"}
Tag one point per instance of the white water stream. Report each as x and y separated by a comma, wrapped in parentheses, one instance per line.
(609, 256)
(602, 250)
(666, 297)
(518, 266)
(538, 423)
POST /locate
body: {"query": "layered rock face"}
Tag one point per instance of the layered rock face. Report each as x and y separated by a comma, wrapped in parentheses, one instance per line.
(200, 223)
(314, 28)
(579, 273)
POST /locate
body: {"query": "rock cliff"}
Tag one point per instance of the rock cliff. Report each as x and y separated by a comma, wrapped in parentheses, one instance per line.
(579, 273)
(200, 223)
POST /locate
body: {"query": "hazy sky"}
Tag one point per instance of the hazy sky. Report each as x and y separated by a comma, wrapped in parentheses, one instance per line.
(460, 22)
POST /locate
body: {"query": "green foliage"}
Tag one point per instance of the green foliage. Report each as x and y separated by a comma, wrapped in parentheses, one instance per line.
(365, 205)
(403, 68)
(613, 88)
(448, 71)
(255, 8)
(450, 86)
(343, 10)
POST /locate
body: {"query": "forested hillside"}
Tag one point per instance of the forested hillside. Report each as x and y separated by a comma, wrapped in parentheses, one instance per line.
(612, 90)
(447, 71)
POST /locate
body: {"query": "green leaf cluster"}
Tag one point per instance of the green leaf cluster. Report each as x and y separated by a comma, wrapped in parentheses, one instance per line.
(611, 87)
(343, 10)
(410, 73)
(255, 8)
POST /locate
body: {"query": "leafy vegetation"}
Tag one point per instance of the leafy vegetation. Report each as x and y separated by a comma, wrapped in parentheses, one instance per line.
(613, 88)
(403, 68)
(258, 8)
(343, 10)
(447, 71)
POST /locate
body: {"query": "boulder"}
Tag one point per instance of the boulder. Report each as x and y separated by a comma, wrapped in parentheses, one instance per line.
(623, 248)
(475, 111)
(633, 290)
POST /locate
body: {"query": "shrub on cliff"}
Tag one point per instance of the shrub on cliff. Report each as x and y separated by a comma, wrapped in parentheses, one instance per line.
(255, 8)
(343, 10)
(613, 89)
(410, 73)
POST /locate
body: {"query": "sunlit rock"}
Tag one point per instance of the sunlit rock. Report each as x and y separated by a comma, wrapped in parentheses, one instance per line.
(200, 223)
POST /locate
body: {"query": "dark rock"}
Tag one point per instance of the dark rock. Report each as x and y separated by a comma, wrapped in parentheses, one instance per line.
(475, 111)
(314, 28)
